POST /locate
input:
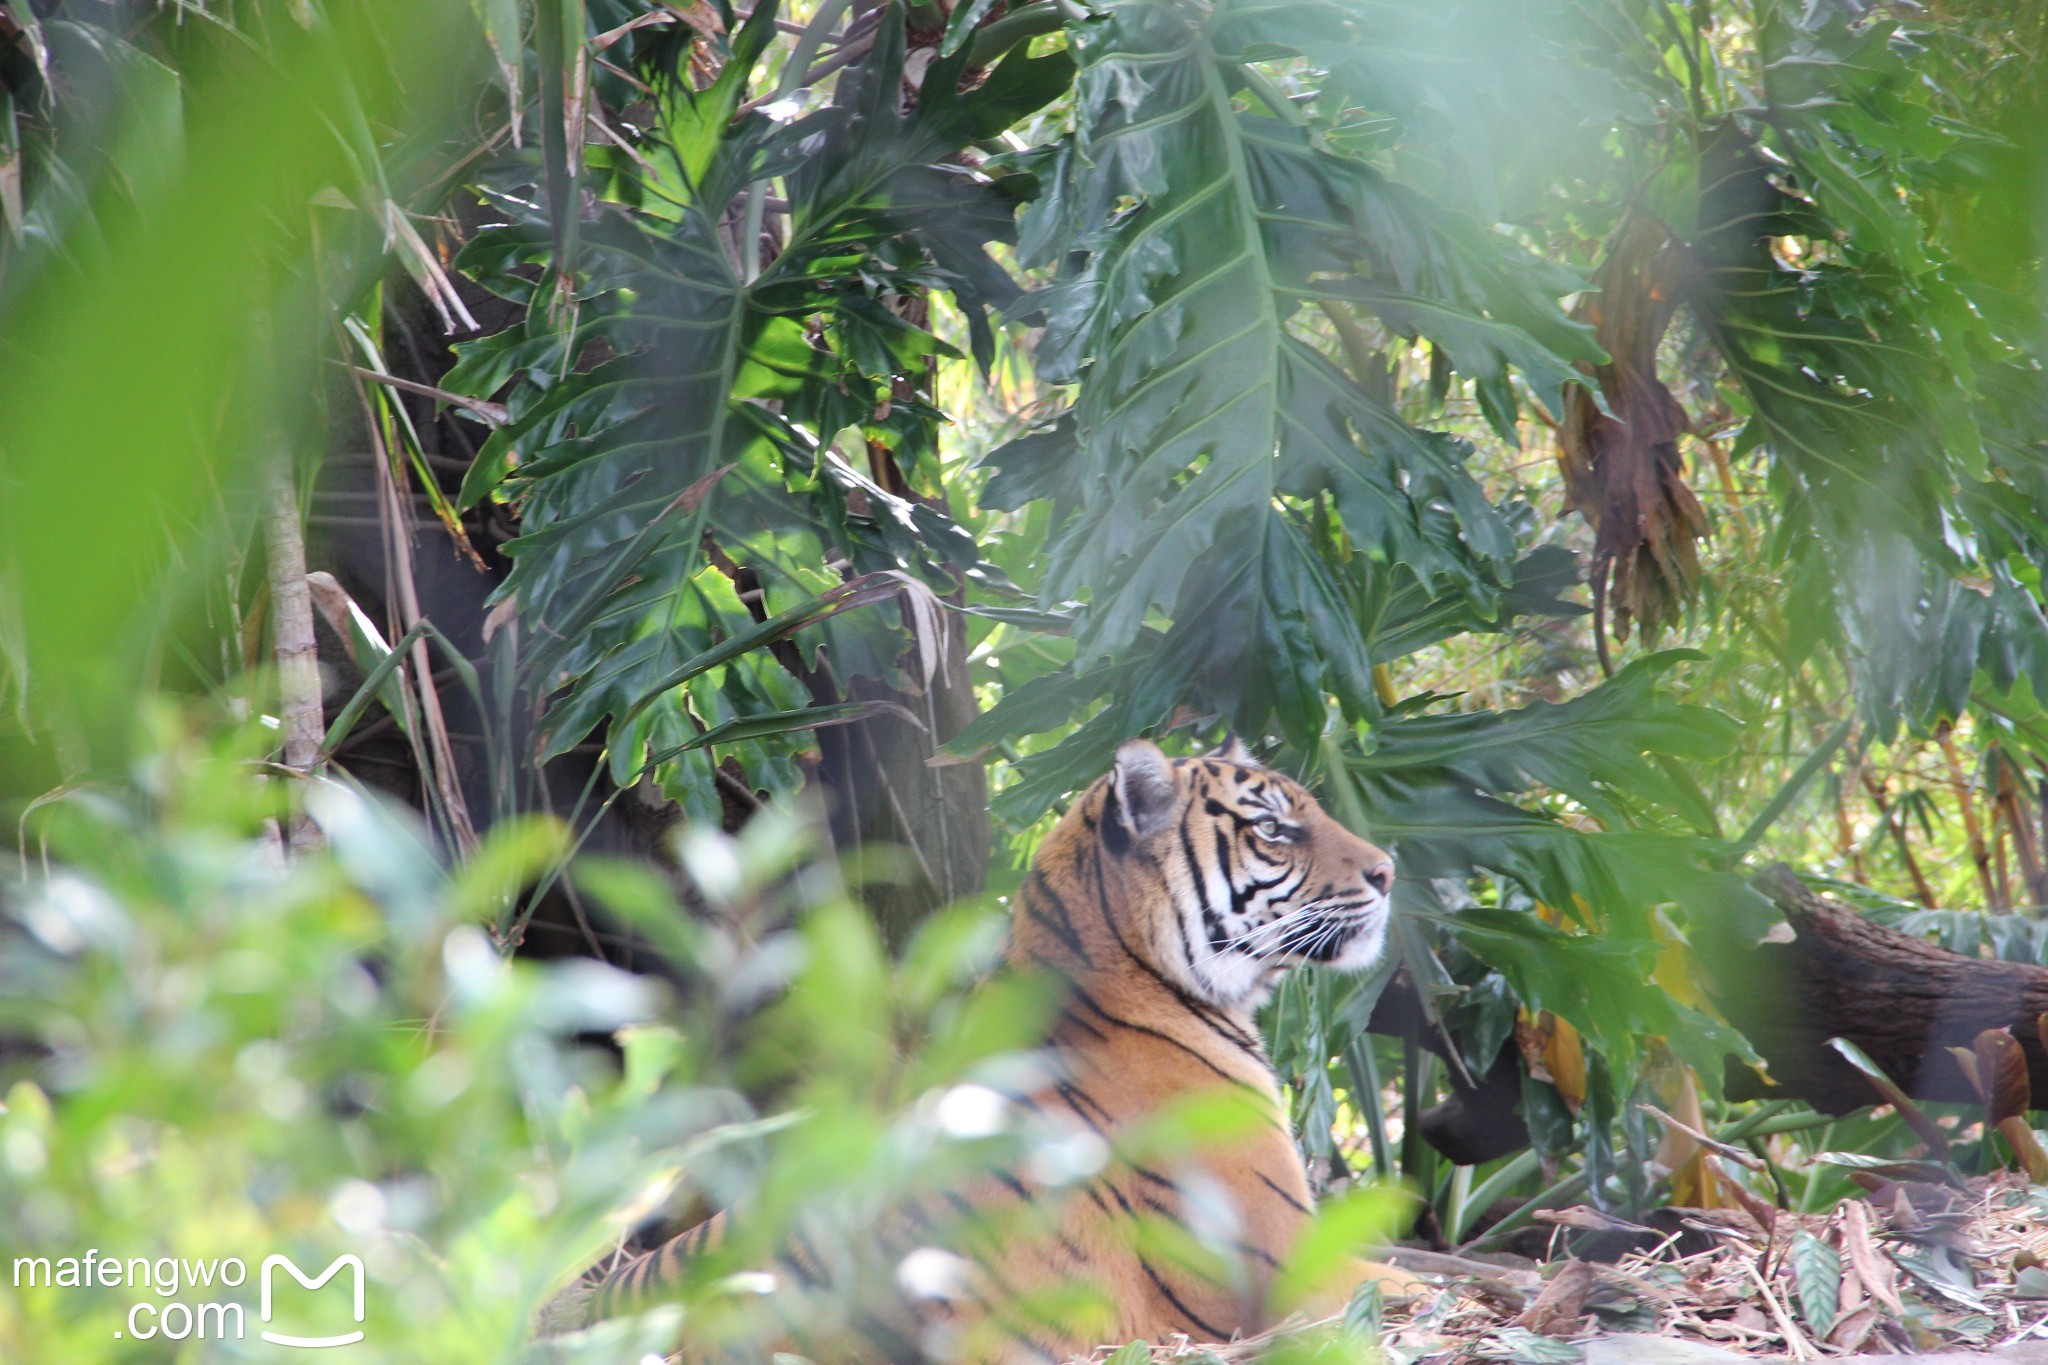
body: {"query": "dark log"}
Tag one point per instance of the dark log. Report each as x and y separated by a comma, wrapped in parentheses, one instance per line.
(1481, 1120)
(1902, 1000)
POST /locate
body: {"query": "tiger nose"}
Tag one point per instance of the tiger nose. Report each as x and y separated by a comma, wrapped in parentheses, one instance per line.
(1382, 877)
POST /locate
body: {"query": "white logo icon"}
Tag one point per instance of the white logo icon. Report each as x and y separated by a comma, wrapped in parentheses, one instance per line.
(279, 1338)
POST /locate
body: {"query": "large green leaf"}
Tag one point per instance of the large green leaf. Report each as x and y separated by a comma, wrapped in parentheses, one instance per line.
(1196, 238)
(1883, 383)
(1600, 983)
(1242, 654)
(1596, 748)
(738, 385)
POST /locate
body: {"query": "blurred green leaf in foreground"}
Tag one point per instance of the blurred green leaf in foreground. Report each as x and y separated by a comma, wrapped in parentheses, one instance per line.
(232, 1058)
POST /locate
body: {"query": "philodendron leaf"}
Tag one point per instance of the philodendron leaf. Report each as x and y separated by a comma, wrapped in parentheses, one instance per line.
(1197, 245)
(680, 428)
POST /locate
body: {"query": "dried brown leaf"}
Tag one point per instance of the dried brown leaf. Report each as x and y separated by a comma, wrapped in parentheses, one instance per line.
(1562, 1301)
(1966, 1062)
(1873, 1268)
(1620, 459)
(1853, 1329)
(2002, 1072)
(500, 615)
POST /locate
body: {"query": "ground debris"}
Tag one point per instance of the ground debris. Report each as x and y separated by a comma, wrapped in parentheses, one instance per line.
(1914, 1267)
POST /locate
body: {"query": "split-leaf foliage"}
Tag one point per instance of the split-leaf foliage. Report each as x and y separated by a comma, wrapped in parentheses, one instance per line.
(1284, 277)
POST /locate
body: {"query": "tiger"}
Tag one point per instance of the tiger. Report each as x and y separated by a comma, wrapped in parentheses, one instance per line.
(1164, 906)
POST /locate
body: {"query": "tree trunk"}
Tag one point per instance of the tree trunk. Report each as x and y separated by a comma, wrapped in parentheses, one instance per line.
(1902, 1000)
(298, 661)
(883, 790)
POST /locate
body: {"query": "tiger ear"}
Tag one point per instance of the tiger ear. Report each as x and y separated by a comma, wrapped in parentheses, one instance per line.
(1233, 750)
(1147, 796)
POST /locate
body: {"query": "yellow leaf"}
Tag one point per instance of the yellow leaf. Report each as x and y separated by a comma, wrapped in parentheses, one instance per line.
(1553, 1052)
(1695, 1181)
(1677, 971)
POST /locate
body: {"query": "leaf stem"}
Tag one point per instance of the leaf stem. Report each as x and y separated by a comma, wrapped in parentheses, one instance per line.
(1789, 793)
(1018, 26)
(291, 615)
(1272, 96)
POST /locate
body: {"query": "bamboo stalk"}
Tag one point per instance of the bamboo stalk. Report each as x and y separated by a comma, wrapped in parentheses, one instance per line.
(1845, 834)
(1973, 832)
(1718, 455)
(298, 658)
(2013, 810)
(2001, 867)
(1873, 784)
(398, 530)
(402, 593)
(2043, 804)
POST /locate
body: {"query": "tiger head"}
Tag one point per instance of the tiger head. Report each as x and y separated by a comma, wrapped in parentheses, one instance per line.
(1229, 873)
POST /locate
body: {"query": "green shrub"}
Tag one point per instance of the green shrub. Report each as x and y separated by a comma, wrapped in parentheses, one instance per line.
(228, 1058)
(215, 1056)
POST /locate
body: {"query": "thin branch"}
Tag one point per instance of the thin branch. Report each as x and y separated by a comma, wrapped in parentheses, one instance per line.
(1597, 577)
(403, 592)
(2012, 809)
(1787, 794)
(1873, 784)
(853, 45)
(1973, 832)
(1712, 1144)
(495, 414)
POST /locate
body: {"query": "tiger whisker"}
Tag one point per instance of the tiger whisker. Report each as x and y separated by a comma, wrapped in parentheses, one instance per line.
(1243, 941)
(1277, 927)
(1328, 931)
(1331, 931)
(1332, 928)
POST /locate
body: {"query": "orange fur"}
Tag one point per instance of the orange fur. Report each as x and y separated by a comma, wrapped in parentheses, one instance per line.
(1165, 904)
